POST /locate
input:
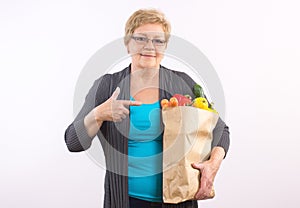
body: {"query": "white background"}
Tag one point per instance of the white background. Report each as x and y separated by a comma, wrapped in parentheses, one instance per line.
(253, 45)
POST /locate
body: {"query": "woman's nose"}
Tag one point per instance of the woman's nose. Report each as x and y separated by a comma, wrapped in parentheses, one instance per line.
(149, 44)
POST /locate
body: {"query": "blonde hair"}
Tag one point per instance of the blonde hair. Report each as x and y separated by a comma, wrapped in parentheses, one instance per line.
(146, 16)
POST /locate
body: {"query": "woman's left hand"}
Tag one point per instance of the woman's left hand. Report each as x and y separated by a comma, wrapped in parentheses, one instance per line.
(208, 170)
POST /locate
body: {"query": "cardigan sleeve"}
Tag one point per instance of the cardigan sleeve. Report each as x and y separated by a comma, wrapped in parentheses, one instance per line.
(76, 136)
(221, 136)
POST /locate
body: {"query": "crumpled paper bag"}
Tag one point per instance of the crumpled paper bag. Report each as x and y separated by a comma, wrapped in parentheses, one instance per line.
(187, 139)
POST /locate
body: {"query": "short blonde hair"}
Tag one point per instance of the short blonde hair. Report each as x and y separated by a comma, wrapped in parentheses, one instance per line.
(146, 16)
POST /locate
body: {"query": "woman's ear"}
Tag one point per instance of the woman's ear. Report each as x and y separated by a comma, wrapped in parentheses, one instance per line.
(127, 48)
(126, 43)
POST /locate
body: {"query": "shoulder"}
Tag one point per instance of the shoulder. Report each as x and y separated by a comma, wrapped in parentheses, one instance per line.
(116, 76)
(107, 83)
(121, 74)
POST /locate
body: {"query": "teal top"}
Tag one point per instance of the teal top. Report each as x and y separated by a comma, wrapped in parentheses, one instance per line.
(145, 152)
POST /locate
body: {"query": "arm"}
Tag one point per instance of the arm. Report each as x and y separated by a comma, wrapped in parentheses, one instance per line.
(77, 137)
(80, 133)
(220, 146)
(221, 136)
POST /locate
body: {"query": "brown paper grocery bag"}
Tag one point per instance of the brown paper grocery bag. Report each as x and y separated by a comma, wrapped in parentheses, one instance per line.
(187, 139)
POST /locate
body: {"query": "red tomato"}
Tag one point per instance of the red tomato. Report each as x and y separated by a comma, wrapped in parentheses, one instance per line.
(182, 100)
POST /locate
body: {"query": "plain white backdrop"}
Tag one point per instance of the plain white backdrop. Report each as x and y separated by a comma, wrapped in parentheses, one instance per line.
(253, 45)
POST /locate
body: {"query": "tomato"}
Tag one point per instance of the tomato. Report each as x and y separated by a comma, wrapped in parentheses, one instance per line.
(182, 100)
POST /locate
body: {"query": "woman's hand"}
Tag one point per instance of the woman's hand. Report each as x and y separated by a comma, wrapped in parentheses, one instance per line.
(113, 109)
(208, 170)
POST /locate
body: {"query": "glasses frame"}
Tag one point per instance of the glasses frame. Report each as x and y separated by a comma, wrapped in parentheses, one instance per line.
(157, 42)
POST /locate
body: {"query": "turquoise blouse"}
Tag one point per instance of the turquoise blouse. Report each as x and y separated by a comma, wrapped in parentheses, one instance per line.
(145, 152)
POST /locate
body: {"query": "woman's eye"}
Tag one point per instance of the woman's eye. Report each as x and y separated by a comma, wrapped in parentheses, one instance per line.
(158, 41)
(141, 39)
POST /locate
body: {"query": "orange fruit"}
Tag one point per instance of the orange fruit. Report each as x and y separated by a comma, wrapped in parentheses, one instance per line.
(164, 103)
(173, 102)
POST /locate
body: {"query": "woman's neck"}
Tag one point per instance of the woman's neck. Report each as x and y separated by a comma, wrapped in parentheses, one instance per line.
(145, 75)
(144, 85)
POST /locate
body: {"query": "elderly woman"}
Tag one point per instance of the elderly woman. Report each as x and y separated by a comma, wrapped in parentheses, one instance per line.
(123, 110)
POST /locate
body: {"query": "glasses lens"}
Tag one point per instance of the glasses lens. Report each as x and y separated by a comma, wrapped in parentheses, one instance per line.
(140, 40)
(143, 40)
(158, 42)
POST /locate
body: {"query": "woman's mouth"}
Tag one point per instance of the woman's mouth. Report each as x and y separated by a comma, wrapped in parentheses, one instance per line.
(148, 55)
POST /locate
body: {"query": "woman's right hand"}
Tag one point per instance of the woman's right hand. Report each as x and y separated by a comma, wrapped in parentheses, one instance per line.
(113, 109)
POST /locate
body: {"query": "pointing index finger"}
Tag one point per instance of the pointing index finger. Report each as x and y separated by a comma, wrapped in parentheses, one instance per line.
(131, 102)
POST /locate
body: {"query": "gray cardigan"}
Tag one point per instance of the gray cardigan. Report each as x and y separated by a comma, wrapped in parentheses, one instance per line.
(113, 136)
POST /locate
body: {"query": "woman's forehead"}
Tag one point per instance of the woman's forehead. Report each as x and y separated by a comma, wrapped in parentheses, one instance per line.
(152, 28)
(151, 34)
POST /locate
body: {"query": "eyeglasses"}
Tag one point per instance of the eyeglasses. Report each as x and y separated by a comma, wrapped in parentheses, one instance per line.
(144, 40)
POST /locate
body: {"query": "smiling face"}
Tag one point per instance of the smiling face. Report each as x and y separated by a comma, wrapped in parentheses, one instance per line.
(147, 46)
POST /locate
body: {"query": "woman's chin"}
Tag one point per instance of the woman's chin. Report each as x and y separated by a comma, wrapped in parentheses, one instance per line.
(149, 65)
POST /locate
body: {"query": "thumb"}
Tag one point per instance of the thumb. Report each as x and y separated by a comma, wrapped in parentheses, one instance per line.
(198, 166)
(116, 93)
